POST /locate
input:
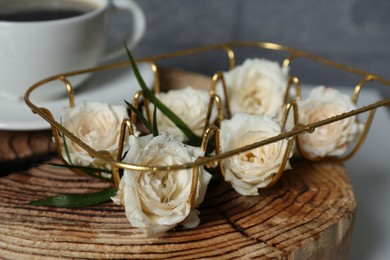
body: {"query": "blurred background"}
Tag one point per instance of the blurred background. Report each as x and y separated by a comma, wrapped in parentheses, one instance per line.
(352, 32)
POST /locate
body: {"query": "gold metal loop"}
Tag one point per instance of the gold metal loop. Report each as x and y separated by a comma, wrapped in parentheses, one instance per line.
(359, 86)
(362, 137)
(218, 102)
(115, 175)
(214, 99)
(194, 185)
(217, 145)
(136, 101)
(56, 134)
(293, 104)
(69, 88)
(114, 169)
(282, 167)
(293, 80)
(230, 53)
(287, 61)
(219, 76)
(156, 76)
(228, 48)
(125, 126)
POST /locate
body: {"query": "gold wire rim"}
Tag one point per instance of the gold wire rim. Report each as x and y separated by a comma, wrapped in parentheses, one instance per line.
(227, 47)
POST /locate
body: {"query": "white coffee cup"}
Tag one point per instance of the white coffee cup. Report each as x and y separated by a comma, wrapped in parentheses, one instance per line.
(33, 50)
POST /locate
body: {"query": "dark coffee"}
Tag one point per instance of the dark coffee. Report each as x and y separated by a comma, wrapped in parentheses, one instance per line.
(39, 15)
(47, 13)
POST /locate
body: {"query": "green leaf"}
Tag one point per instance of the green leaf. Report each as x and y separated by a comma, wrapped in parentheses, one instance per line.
(140, 116)
(193, 138)
(155, 126)
(148, 93)
(76, 200)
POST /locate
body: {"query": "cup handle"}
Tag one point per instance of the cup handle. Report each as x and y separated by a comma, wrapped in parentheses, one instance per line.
(134, 37)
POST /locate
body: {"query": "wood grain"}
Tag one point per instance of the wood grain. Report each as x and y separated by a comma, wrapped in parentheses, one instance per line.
(308, 215)
(21, 149)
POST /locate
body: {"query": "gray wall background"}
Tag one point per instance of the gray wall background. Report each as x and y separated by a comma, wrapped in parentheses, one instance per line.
(353, 32)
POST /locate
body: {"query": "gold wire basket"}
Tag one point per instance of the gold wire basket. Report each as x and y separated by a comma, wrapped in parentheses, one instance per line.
(212, 131)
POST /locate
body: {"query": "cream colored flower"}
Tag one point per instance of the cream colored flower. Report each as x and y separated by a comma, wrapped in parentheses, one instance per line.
(190, 105)
(96, 124)
(256, 168)
(257, 87)
(158, 201)
(332, 139)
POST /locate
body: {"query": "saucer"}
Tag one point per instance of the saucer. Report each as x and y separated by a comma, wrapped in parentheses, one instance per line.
(111, 86)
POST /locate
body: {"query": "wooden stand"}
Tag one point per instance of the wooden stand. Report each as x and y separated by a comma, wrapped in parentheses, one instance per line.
(308, 215)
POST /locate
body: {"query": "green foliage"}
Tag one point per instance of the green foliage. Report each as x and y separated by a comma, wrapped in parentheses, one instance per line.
(76, 200)
(193, 138)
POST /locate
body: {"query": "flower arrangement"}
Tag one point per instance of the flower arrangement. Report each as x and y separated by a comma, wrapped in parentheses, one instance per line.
(185, 139)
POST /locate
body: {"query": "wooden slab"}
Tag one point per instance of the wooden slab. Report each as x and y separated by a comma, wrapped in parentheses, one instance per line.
(308, 215)
(22, 149)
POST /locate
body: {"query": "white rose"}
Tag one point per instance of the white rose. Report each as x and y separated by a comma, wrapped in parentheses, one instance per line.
(332, 139)
(257, 87)
(256, 168)
(190, 105)
(96, 124)
(158, 201)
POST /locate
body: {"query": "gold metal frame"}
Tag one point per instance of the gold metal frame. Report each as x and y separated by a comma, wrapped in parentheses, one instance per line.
(227, 48)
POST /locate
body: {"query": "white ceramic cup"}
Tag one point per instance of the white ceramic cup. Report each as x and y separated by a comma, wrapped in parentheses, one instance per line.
(33, 50)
